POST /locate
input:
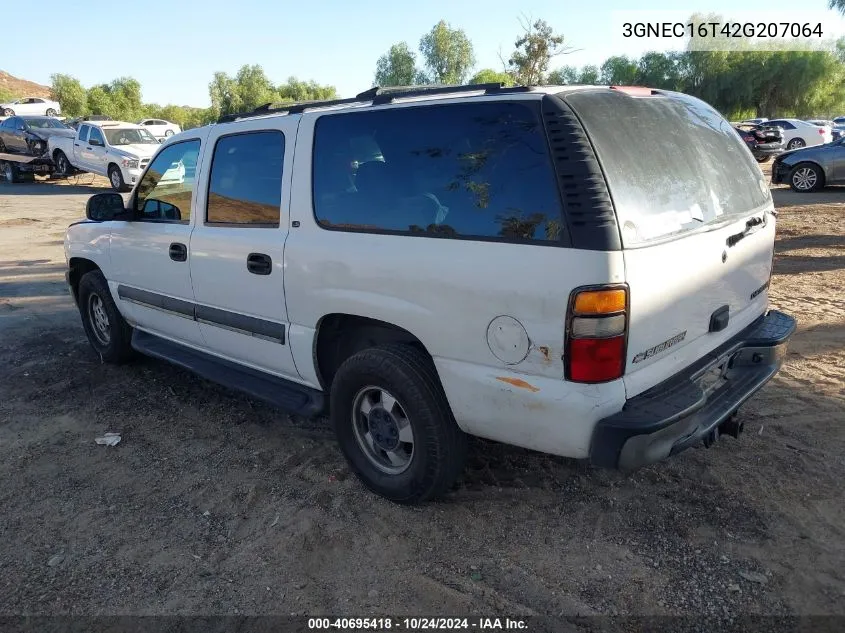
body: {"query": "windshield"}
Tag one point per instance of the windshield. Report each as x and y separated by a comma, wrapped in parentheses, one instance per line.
(674, 165)
(129, 136)
(46, 123)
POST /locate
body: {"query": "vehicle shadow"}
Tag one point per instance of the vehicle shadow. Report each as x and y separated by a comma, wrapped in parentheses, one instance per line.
(48, 188)
(784, 197)
(798, 242)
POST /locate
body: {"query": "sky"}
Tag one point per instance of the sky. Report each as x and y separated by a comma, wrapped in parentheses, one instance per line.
(174, 48)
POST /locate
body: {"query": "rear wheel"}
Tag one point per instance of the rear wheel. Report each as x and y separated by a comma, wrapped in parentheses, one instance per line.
(394, 424)
(107, 331)
(116, 179)
(806, 177)
(795, 143)
(11, 173)
(51, 112)
(8, 112)
(168, 132)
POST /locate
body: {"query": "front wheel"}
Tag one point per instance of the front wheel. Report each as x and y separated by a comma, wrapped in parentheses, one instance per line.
(795, 143)
(107, 331)
(116, 179)
(11, 173)
(51, 112)
(806, 177)
(394, 424)
(168, 133)
(62, 164)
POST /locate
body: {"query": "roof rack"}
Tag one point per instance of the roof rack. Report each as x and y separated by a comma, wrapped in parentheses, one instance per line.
(377, 95)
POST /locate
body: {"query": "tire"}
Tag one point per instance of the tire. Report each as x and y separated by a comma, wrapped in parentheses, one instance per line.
(8, 112)
(2, 147)
(107, 331)
(50, 112)
(762, 159)
(11, 173)
(806, 177)
(796, 143)
(168, 133)
(438, 447)
(63, 167)
(116, 179)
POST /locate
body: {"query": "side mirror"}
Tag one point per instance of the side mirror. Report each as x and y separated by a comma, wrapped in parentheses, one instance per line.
(103, 207)
(95, 143)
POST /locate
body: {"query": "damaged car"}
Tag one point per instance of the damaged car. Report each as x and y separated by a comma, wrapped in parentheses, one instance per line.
(29, 135)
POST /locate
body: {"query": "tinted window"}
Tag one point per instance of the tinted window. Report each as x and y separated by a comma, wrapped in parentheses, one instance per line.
(96, 136)
(245, 186)
(83, 133)
(468, 170)
(166, 188)
(674, 166)
(786, 125)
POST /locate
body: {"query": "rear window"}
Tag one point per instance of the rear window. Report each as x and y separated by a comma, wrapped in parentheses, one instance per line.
(672, 164)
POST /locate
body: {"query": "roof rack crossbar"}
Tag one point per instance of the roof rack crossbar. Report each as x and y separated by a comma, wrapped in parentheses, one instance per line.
(377, 95)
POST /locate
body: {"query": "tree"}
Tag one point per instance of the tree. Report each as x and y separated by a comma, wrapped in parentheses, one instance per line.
(589, 76)
(659, 70)
(296, 90)
(70, 94)
(224, 94)
(534, 50)
(839, 5)
(490, 76)
(563, 76)
(619, 70)
(447, 54)
(397, 67)
(254, 88)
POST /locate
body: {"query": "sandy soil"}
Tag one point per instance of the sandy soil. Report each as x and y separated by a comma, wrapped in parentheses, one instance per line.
(216, 504)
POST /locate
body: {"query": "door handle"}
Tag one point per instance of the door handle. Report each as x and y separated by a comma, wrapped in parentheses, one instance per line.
(259, 264)
(87, 148)
(178, 252)
(76, 144)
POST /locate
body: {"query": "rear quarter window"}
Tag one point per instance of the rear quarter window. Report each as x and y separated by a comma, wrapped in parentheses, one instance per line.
(477, 170)
(672, 163)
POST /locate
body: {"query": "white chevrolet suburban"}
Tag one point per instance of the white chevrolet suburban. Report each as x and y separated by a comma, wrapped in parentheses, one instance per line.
(120, 151)
(426, 264)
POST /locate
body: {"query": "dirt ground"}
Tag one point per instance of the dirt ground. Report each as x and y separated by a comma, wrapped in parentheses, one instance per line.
(216, 504)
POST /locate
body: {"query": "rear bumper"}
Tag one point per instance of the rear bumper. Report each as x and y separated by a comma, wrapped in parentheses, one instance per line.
(684, 409)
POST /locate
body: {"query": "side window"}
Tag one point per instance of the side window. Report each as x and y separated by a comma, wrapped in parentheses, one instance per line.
(245, 186)
(96, 136)
(83, 133)
(479, 170)
(167, 188)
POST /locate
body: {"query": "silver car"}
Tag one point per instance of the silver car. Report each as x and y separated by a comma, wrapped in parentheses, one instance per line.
(811, 168)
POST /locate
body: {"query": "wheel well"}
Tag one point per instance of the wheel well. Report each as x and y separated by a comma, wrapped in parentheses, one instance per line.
(77, 267)
(339, 336)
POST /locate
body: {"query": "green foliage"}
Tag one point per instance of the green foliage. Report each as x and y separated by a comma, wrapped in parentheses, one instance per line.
(618, 71)
(447, 54)
(589, 75)
(534, 49)
(70, 94)
(490, 76)
(397, 67)
(563, 76)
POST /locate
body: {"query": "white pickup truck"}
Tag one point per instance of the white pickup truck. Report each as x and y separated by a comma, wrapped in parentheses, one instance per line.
(114, 149)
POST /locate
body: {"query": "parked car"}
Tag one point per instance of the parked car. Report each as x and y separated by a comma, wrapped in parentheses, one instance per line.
(114, 149)
(74, 123)
(28, 135)
(410, 295)
(811, 168)
(159, 128)
(35, 106)
(798, 133)
(763, 141)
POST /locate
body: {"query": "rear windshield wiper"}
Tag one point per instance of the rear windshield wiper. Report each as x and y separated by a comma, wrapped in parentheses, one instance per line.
(734, 239)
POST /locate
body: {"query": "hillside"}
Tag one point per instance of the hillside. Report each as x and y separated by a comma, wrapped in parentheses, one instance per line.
(12, 87)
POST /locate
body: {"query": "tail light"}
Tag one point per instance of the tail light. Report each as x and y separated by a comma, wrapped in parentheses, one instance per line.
(596, 333)
(748, 138)
(821, 131)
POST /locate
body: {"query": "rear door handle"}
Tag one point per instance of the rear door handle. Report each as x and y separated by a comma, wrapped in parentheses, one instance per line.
(259, 264)
(178, 252)
(76, 144)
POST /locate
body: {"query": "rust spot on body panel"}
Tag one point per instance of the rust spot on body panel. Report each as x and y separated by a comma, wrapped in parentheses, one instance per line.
(518, 382)
(545, 352)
